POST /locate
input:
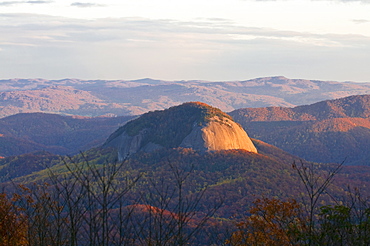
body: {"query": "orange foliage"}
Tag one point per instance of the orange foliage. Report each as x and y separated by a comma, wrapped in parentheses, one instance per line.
(13, 229)
(272, 222)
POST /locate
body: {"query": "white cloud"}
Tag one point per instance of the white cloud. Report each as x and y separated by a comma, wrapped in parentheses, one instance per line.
(39, 29)
(360, 21)
(345, 1)
(38, 2)
(11, 3)
(86, 5)
(348, 1)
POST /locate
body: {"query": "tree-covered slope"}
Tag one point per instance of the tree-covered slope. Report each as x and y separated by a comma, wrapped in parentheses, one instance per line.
(329, 131)
(29, 132)
(236, 177)
(168, 190)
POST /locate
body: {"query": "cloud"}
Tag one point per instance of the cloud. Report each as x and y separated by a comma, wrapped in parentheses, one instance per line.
(39, 2)
(40, 30)
(339, 1)
(86, 5)
(360, 21)
(137, 47)
(344, 1)
(362, 1)
(10, 3)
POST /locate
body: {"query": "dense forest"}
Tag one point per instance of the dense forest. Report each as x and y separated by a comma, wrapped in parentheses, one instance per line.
(182, 197)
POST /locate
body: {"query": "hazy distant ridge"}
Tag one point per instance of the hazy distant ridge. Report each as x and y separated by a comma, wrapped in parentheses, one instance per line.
(123, 97)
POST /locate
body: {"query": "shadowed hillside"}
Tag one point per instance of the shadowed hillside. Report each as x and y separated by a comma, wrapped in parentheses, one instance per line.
(329, 131)
(23, 133)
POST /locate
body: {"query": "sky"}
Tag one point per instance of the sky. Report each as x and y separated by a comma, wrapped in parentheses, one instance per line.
(214, 40)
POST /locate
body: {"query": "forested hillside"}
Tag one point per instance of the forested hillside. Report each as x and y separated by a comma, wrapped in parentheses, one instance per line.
(24, 133)
(180, 196)
(328, 131)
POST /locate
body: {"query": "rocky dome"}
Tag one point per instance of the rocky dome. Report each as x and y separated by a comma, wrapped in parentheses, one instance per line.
(190, 125)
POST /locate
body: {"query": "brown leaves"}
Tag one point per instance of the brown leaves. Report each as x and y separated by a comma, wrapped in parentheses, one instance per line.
(272, 222)
(13, 229)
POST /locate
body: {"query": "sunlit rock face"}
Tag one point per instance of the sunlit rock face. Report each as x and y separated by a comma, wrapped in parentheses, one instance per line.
(190, 125)
(218, 134)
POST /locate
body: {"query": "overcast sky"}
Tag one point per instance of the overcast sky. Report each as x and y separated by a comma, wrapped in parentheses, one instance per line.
(214, 40)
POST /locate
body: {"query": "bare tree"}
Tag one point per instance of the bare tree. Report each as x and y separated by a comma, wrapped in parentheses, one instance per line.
(315, 183)
(173, 215)
(84, 206)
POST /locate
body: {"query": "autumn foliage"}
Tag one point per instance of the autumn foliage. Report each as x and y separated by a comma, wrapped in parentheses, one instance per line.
(271, 222)
(13, 228)
(161, 202)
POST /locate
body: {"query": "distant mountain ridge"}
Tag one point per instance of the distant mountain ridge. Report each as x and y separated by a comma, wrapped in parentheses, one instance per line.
(352, 106)
(134, 97)
(328, 131)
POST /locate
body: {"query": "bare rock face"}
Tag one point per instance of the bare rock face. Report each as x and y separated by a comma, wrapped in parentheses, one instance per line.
(218, 134)
(127, 145)
(191, 125)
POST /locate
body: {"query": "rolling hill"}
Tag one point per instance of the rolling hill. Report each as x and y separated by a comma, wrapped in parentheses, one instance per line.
(328, 131)
(28, 132)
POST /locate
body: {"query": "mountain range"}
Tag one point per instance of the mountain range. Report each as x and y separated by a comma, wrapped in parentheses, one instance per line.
(330, 131)
(134, 97)
(149, 160)
(189, 160)
(236, 173)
